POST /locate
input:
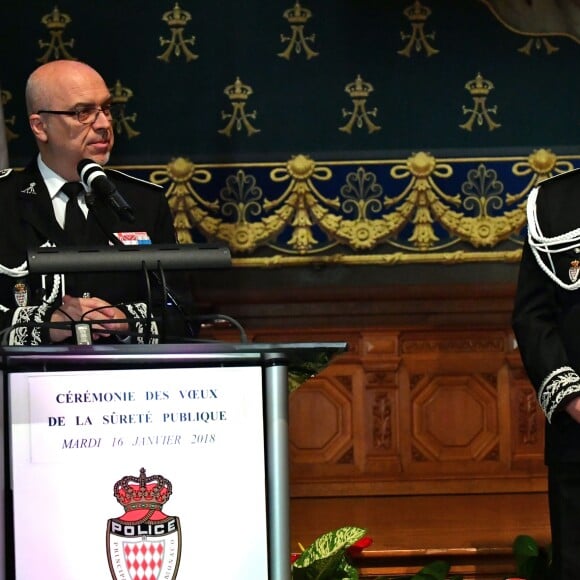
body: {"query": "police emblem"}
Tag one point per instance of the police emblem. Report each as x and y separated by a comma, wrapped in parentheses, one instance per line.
(143, 542)
(574, 270)
(20, 291)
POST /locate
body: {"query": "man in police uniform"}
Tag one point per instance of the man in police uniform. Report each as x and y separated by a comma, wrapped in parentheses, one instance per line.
(69, 108)
(546, 322)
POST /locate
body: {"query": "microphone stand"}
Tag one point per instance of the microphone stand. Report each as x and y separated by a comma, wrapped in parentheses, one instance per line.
(158, 276)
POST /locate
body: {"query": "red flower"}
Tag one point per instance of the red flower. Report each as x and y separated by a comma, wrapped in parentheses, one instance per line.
(294, 557)
(359, 546)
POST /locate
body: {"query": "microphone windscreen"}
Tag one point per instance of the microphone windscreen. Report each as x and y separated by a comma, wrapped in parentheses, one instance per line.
(88, 170)
(94, 178)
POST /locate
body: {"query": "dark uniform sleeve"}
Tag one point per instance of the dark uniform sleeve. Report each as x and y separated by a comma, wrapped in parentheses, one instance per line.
(537, 329)
(24, 324)
(27, 326)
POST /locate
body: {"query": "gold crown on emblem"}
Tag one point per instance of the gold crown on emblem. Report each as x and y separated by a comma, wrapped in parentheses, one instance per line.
(120, 94)
(479, 87)
(56, 20)
(297, 14)
(238, 91)
(177, 16)
(417, 12)
(359, 88)
(135, 493)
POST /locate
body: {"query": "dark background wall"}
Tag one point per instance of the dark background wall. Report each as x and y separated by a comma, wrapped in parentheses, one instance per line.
(299, 100)
(177, 109)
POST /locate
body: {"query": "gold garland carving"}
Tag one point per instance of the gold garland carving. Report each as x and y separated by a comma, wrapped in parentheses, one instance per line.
(360, 215)
(301, 205)
(188, 207)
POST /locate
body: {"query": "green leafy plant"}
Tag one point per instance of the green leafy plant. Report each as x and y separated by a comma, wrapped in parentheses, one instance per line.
(532, 561)
(326, 558)
(329, 557)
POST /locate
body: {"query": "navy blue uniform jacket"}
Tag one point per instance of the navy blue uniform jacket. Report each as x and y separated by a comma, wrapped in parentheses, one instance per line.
(28, 221)
(546, 316)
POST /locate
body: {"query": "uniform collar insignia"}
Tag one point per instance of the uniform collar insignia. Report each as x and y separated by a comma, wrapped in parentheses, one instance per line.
(574, 270)
(30, 189)
(21, 294)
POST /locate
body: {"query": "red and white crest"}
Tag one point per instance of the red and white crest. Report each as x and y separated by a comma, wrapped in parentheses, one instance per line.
(143, 543)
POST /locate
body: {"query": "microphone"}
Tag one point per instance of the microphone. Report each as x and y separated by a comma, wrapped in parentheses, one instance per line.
(95, 179)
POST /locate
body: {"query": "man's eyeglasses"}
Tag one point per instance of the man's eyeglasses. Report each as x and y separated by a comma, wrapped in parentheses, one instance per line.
(84, 115)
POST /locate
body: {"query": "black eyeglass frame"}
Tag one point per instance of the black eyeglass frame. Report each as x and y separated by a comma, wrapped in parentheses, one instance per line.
(92, 112)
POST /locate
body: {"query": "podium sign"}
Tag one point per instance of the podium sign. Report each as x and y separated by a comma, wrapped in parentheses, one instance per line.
(197, 434)
(164, 463)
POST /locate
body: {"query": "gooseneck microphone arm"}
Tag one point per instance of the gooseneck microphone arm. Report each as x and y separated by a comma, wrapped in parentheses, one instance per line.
(94, 178)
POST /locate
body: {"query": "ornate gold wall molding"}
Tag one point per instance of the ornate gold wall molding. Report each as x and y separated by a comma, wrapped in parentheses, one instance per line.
(416, 210)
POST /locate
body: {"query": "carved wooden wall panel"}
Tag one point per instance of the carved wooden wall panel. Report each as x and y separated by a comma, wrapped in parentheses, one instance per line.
(425, 427)
(454, 410)
(414, 411)
(323, 430)
(527, 419)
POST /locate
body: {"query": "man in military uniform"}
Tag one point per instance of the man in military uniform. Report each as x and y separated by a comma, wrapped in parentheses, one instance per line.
(546, 322)
(69, 107)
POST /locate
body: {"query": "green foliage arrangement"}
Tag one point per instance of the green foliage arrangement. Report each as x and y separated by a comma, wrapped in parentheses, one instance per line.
(326, 558)
(329, 557)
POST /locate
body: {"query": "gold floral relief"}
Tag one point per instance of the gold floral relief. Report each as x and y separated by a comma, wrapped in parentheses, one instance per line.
(411, 210)
(242, 200)
(302, 204)
(188, 207)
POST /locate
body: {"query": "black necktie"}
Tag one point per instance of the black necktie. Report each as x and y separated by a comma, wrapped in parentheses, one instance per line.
(75, 223)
